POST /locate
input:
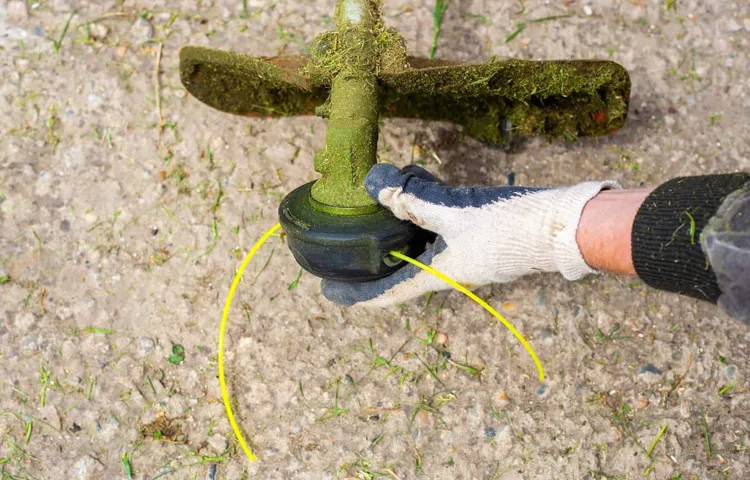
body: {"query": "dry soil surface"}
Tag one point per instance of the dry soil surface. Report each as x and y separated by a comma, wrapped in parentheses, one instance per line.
(116, 244)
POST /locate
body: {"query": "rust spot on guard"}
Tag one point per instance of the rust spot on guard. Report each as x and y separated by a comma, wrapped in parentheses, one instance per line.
(600, 116)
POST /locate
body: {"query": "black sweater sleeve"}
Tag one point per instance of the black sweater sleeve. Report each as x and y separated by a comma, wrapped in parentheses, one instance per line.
(666, 244)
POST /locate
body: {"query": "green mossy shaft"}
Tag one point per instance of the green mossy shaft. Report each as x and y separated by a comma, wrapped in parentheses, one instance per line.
(351, 143)
(353, 109)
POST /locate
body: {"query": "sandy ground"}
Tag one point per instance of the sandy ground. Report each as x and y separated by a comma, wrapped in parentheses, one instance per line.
(116, 245)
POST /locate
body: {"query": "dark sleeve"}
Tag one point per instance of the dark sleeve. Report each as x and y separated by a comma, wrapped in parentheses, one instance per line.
(667, 251)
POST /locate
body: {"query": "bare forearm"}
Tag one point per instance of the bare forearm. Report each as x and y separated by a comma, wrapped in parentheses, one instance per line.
(687, 236)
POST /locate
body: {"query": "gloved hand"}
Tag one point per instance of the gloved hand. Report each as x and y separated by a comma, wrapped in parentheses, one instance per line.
(485, 234)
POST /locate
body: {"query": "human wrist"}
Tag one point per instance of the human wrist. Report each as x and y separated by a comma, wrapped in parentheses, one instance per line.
(566, 213)
(605, 230)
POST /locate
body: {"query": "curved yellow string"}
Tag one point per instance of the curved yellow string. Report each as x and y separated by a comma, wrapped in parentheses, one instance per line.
(481, 303)
(427, 268)
(222, 333)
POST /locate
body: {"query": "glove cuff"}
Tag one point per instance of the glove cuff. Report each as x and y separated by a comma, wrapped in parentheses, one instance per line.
(564, 225)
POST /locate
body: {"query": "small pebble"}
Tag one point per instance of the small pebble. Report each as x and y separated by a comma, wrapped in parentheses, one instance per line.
(145, 346)
(30, 342)
(218, 443)
(541, 390)
(733, 26)
(489, 432)
(650, 374)
(425, 419)
(588, 10)
(416, 151)
(86, 468)
(142, 30)
(109, 430)
(731, 372)
(650, 368)
(98, 31)
(348, 380)
(446, 354)
(154, 230)
(441, 338)
(16, 10)
(22, 64)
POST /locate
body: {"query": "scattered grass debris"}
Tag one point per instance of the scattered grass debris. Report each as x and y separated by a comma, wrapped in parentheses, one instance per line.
(295, 282)
(57, 44)
(335, 411)
(99, 331)
(438, 13)
(706, 435)
(521, 26)
(127, 466)
(657, 439)
(178, 354)
(163, 429)
(726, 388)
(44, 380)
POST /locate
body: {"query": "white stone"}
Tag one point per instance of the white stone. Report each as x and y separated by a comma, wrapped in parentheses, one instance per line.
(98, 31)
(85, 468)
(142, 30)
(218, 443)
(24, 321)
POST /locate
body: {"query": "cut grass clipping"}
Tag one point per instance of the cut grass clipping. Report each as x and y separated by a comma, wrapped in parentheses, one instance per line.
(521, 26)
(437, 21)
(238, 278)
(57, 43)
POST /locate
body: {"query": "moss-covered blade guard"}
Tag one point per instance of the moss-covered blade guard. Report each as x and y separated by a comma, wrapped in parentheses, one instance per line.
(553, 98)
(243, 85)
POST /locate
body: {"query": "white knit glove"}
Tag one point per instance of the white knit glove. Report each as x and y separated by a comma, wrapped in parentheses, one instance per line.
(485, 234)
